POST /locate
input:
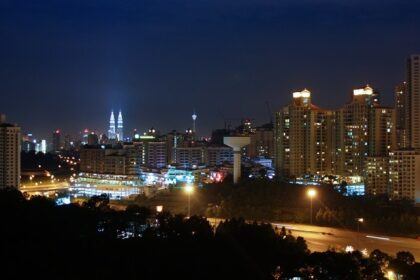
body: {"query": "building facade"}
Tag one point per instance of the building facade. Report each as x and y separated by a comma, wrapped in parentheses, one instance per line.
(10, 147)
(404, 175)
(401, 120)
(303, 138)
(413, 100)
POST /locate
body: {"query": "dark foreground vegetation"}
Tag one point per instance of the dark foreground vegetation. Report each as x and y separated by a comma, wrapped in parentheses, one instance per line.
(92, 241)
(262, 200)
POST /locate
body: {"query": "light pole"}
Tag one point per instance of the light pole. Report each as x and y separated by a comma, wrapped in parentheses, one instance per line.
(359, 221)
(311, 193)
(189, 190)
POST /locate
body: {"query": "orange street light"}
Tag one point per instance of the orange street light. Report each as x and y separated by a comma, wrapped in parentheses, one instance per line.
(189, 190)
(311, 193)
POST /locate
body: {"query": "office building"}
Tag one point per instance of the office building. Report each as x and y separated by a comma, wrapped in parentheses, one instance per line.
(108, 159)
(218, 155)
(112, 130)
(10, 146)
(120, 128)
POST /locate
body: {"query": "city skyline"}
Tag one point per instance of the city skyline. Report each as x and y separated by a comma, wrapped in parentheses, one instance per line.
(103, 128)
(158, 62)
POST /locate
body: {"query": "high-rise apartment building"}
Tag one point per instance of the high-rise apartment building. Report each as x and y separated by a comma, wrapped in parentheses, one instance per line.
(413, 100)
(405, 175)
(352, 123)
(401, 120)
(10, 145)
(303, 138)
(377, 176)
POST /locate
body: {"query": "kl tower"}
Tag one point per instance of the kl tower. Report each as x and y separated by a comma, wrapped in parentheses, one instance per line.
(236, 142)
(194, 117)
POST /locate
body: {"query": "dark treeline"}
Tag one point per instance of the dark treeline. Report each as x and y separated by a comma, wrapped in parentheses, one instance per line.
(269, 201)
(93, 241)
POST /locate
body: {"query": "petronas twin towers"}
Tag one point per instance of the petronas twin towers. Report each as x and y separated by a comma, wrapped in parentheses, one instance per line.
(116, 131)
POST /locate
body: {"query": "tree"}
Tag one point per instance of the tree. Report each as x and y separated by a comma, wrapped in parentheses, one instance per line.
(97, 202)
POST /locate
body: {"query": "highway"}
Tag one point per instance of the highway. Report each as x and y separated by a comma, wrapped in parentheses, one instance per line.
(45, 187)
(322, 238)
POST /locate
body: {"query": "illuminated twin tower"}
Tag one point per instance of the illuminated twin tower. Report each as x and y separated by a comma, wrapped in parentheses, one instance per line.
(116, 132)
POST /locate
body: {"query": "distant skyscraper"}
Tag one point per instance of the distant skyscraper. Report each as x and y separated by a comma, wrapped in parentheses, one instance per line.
(413, 100)
(10, 145)
(43, 146)
(28, 142)
(120, 128)
(93, 139)
(112, 130)
(56, 141)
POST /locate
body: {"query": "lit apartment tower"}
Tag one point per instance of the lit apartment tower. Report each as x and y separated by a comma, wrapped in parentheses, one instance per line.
(405, 175)
(413, 100)
(303, 138)
(10, 139)
(382, 131)
(120, 128)
(352, 132)
(382, 140)
(376, 176)
(112, 130)
(401, 120)
(56, 141)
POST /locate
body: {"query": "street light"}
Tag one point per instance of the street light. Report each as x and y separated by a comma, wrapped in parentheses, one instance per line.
(189, 190)
(359, 221)
(311, 194)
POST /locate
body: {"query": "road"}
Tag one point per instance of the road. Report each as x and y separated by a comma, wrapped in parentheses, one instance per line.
(322, 238)
(45, 187)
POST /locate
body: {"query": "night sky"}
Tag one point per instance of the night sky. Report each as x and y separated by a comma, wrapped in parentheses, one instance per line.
(66, 64)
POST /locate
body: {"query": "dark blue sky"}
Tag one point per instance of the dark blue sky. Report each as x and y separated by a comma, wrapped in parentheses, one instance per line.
(65, 64)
